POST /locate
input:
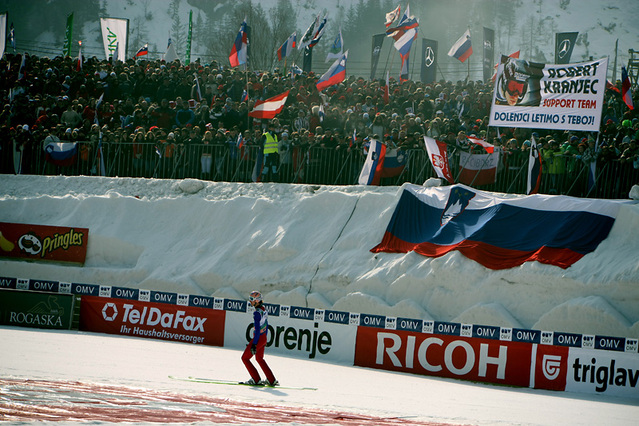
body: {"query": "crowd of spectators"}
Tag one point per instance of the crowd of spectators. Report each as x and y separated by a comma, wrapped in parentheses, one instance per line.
(147, 104)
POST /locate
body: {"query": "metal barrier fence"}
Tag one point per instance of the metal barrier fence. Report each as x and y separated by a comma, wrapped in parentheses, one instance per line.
(323, 166)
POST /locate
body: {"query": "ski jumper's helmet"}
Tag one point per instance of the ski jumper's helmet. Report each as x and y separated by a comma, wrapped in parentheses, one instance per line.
(255, 296)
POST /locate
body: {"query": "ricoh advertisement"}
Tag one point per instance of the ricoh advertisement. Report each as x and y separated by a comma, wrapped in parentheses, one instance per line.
(467, 358)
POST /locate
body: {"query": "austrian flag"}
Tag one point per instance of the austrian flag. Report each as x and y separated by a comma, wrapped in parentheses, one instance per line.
(269, 108)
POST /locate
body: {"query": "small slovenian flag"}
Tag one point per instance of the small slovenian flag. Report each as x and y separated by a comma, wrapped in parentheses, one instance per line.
(287, 47)
(462, 48)
(334, 75)
(144, 50)
(61, 153)
(534, 168)
(244, 97)
(372, 170)
(239, 51)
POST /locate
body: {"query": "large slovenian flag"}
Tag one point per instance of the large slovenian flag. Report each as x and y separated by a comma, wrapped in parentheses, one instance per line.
(269, 108)
(372, 170)
(239, 51)
(462, 48)
(497, 231)
(61, 153)
(334, 75)
(626, 93)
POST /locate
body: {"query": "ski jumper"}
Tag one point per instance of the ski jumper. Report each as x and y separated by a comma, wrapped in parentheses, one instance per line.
(260, 320)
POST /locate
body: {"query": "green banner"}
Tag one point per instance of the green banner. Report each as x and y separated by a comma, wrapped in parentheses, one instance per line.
(66, 50)
(187, 59)
(36, 310)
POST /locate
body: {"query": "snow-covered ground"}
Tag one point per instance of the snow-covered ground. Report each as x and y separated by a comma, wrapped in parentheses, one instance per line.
(145, 364)
(304, 245)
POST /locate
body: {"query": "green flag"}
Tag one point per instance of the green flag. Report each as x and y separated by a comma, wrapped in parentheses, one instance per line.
(66, 50)
(187, 59)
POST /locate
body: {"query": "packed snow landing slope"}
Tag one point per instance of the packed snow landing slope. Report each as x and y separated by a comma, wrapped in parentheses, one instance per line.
(306, 245)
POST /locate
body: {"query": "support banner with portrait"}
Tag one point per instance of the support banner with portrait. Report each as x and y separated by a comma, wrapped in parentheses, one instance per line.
(549, 96)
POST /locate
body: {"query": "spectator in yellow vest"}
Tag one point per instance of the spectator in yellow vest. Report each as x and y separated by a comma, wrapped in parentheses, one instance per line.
(271, 155)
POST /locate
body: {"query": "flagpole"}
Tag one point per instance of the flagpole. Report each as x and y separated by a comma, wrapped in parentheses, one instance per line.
(387, 57)
(468, 75)
(248, 118)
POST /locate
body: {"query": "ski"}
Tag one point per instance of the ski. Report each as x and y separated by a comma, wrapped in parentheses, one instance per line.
(233, 383)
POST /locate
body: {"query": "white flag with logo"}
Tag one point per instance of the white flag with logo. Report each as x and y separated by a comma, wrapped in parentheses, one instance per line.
(114, 31)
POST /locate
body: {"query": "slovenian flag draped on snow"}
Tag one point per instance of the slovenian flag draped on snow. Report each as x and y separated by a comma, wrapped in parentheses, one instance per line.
(497, 231)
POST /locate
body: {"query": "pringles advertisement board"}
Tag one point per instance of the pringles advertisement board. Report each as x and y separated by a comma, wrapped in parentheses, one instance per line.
(43, 243)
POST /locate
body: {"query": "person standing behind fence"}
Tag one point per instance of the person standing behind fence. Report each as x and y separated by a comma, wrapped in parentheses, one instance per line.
(206, 159)
(271, 155)
(285, 152)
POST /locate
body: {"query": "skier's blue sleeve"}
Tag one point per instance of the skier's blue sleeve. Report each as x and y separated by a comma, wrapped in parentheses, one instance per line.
(256, 324)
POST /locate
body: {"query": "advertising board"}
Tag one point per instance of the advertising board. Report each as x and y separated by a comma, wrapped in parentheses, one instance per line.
(152, 320)
(43, 243)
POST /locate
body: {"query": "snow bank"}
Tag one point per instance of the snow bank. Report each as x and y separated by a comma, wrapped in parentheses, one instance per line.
(306, 245)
